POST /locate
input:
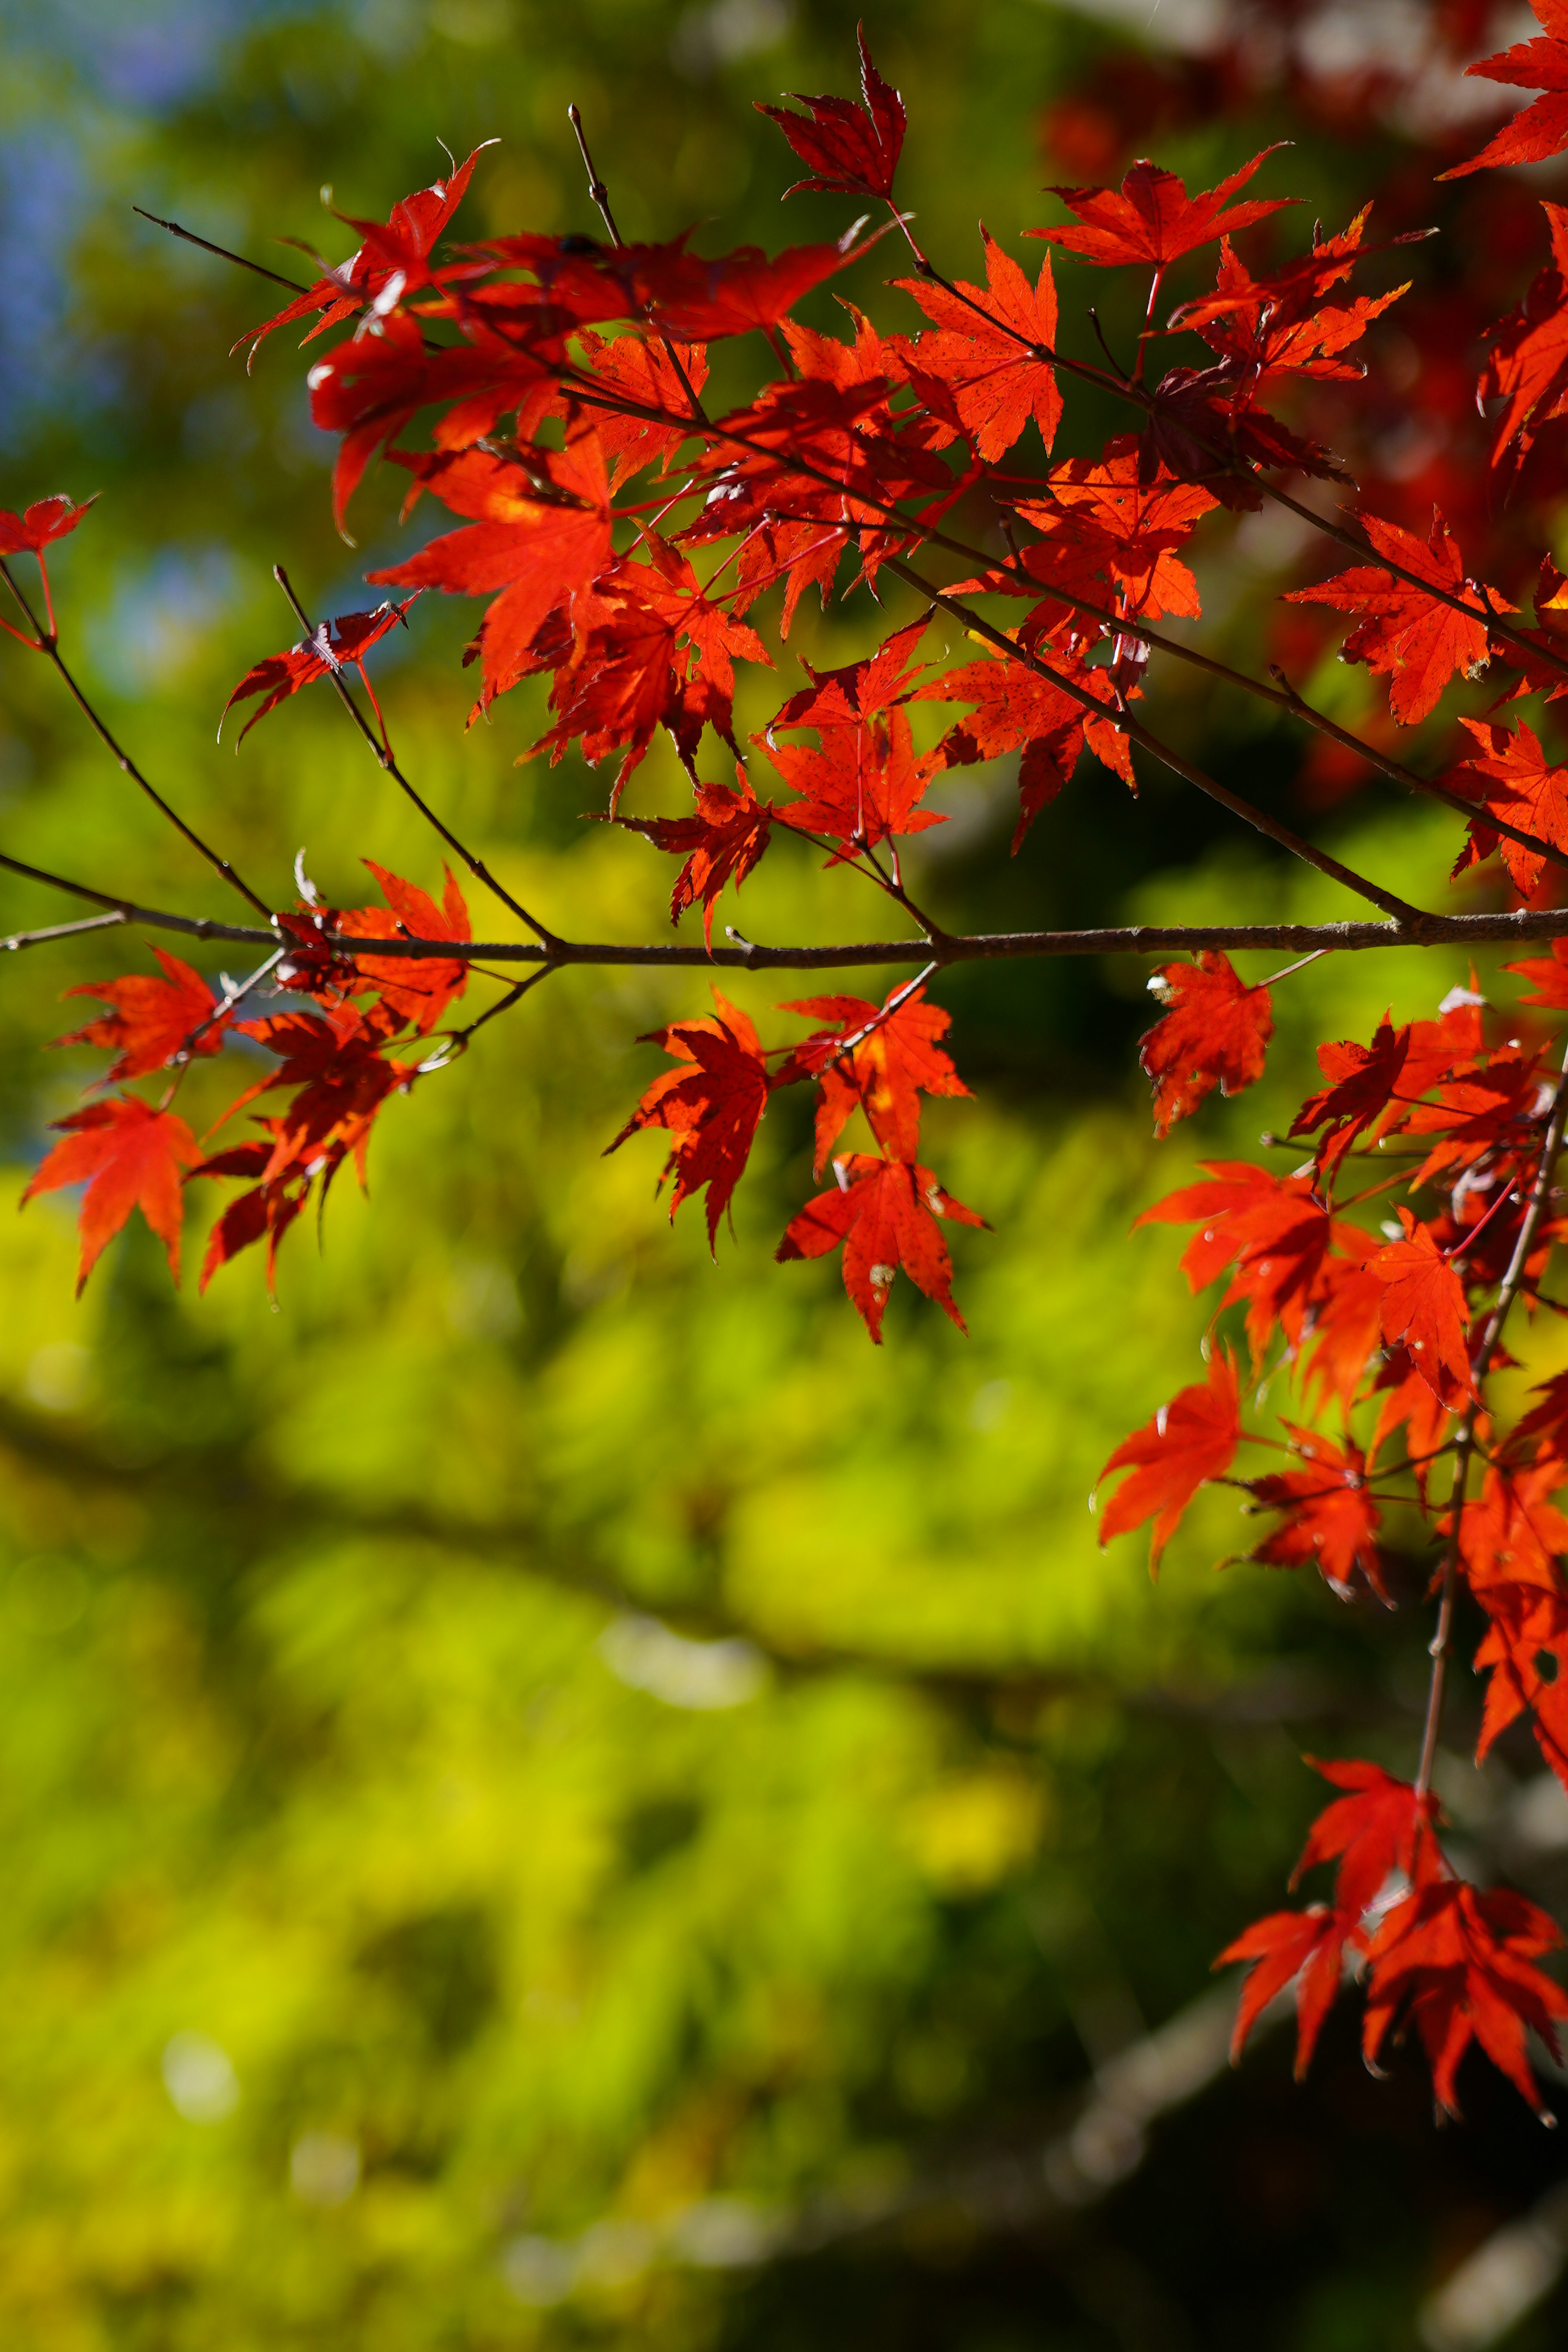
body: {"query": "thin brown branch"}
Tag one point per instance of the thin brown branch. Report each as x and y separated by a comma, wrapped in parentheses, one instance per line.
(49, 648)
(1187, 769)
(382, 754)
(1464, 1436)
(222, 251)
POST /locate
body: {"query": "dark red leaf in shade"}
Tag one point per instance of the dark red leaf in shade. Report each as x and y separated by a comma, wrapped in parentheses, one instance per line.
(1540, 129)
(721, 844)
(151, 1020)
(1458, 1962)
(419, 991)
(129, 1156)
(1190, 1440)
(45, 520)
(885, 1213)
(711, 1104)
(1414, 638)
(1424, 1306)
(1303, 1948)
(847, 149)
(1527, 360)
(1510, 775)
(1215, 1034)
(1372, 1832)
(989, 349)
(1330, 1521)
(1152, 219)
(744, 292)
(891, 1058)
(409, 234)
(331, 646)
(268, 1209)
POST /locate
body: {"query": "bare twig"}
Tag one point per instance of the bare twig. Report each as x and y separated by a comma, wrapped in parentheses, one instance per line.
(222, 251)
(48, 648)
(382, 754)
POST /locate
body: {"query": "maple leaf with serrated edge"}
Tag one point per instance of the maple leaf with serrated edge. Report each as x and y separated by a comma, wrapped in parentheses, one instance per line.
(1424, 1306)
(1526, 357)
(129, 1156)
(895, 1056)
(884, 1212)
(1372, 1831)
(1152, 219)
(1017, 709)
(1511, 777)
(861, 786)
(659, 653)
(745, 292)
(1461, 1958)
(151, 1020)
(331, 646)
(1360, 1096)
(43, 522)
(1548, 975)
(849, 150)
(721, 844)
(535, 547)
(268, 1209)
(1278, 324)
(393, 250)
(1528, 1629)
(1302, 1948)
(1107, 518)
(1274, 1230)
(419, 991)
(995, 371)
(647, 374)
(1401, 631)
(1215, 1034)
(711, 1105)
(1189, 1442)
(1540, 129)
(1331, 1521)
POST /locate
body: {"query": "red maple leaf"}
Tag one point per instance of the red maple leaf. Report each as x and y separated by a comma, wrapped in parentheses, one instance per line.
(849, 149)
(1360, 1096)
(1105, 520)
(151, 1020)
(1373, 1833)
(1304, 1947)
(1346, 1320)
(1280, 325)
(1462, 1960)
(394, 249)
(1511, 778)
(647, 374)
(535, 545)
(1153, 219)
(721, 844)
(1548, 975)
(874, 1059)
(1424, 1306)
(1527, 358)
(711, 1104)
(1015, 707)
(343, 1079)
(332, 646)
(268, 1209)
(1414, 638)
(419, 991)
(861, 786)
(1274, 1230)
(1330, 1521)
(131, 1157)
(45, 520)
(744, 292)
(1215, 1034)
(995, 373)
(1527, 1630)
(1190, 1440)
(1409, 1403)
(885, 1213)
(659, 653)
(1540, 129)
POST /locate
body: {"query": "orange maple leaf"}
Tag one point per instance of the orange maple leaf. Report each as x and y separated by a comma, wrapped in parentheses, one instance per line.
(131, 1156)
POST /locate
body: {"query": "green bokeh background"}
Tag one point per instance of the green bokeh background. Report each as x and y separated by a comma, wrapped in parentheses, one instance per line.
(399, 1883)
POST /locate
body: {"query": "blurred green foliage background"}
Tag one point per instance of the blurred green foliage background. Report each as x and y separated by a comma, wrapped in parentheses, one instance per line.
(545, 1785)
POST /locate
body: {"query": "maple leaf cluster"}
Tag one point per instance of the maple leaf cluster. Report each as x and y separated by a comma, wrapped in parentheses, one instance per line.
(644, 558)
